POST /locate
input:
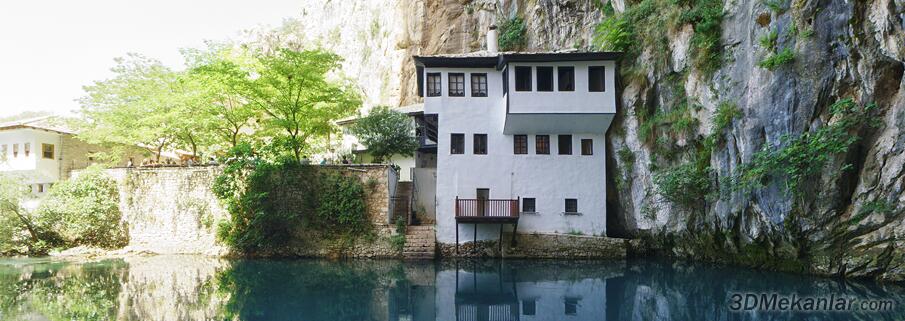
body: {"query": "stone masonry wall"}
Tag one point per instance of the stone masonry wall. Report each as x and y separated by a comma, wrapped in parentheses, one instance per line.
(172, 210)
(542, 246)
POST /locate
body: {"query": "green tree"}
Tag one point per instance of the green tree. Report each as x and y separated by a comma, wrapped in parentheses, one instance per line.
(386, 132)
(135, 107)
(84, 210)
(219, 74)
(15, 220)
(293, 91)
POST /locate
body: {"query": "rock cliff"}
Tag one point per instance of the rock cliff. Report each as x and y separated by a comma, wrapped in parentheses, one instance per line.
(769, 133)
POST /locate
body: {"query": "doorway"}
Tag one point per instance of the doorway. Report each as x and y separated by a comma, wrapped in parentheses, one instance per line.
(483, 196)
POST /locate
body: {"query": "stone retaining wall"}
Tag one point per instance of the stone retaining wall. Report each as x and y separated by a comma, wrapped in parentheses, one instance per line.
(542, 246)
(172, 210)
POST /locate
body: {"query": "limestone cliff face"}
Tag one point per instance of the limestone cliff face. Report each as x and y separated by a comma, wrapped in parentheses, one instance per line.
(848, 221)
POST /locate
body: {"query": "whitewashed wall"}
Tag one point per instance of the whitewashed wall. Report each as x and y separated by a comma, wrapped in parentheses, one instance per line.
(548, 178)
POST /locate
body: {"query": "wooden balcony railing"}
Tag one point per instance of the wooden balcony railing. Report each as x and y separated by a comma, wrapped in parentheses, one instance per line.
(486, 209)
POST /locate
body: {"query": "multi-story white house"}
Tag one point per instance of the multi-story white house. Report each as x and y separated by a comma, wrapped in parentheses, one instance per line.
(520, 141)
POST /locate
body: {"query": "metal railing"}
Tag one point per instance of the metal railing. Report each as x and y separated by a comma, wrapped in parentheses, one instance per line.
(486, 207)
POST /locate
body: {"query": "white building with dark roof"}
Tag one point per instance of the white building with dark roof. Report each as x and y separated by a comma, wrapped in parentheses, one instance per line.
(520, 141)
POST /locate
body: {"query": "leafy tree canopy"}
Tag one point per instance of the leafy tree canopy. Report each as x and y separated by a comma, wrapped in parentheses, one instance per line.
(386, 133)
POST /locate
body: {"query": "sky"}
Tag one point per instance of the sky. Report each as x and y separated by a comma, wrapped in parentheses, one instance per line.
(50, 49)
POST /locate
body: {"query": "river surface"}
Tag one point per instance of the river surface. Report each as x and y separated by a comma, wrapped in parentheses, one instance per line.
(203, 288)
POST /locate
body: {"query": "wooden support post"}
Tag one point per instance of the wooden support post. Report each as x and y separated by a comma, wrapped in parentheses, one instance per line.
(457, 238)
(501, 240)
(514, 229)
(474, 243)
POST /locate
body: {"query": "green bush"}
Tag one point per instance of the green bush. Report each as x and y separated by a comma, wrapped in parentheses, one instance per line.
(686, 185)
(801, 157)
(341, 204)
(775, 60)
(269, 200)
(512, 35)
(84, 210)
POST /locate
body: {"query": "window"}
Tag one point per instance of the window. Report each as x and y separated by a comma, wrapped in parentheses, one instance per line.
(457, 144)
(596, 78)
(479, 85)
(47, 151)
(3, 152)
(544, 78)
(528, 205)
(587, 147)
(520, 144)
(566, 78)
(15, 150)
(565, 144)
(456, 85)
(523, 78)
(542, 144)
(433, 84)
(571, 306)
(571, 205)
(480, 144)
(529, 307)
(27, 148)
(40, 188)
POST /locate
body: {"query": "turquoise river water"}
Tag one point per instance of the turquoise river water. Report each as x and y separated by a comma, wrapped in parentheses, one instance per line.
(203, 288)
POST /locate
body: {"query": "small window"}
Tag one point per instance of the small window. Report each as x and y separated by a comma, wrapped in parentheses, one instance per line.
(15, 150)
(571, 306)
(480, 144)
(520, 144)
(457, 144)
(3, 151)
(47, 151)
(528, 205)
(27, 148)
(456, 85)
(542, 144)
(565, 144)
(596, 80)
(529, 307)
(522, 78)
(571, 205)
(40, 188)
(479, 85)
(544, 78)
(587, 147)
(566, 78)
(433, 84)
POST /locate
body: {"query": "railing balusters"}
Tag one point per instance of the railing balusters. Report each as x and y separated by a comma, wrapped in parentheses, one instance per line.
(486, 208)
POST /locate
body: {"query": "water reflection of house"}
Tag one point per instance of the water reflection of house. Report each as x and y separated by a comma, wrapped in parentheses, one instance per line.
(505, 292)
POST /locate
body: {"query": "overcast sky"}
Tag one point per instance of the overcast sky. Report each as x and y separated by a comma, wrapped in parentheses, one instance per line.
(50, 49)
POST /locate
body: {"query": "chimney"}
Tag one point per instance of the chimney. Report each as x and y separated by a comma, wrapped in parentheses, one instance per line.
(492, 44)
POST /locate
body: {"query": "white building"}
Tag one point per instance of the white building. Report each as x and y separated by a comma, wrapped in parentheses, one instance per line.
(520, 141)
(42, 151)
(351, 146)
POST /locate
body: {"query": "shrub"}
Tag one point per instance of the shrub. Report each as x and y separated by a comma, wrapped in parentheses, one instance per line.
(775, 60)
(84, 210)
(725, 113)
(512, 34)
(341, 204)
(797, 158)
(686, 185)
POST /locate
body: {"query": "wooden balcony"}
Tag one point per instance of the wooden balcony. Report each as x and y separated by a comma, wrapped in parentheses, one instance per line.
(487, 210)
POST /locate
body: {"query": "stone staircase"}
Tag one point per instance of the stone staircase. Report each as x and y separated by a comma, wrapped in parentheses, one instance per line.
(420, 243)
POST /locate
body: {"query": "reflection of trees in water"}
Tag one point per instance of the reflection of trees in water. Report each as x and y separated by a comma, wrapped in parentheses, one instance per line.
(308, 290)
(58, 291)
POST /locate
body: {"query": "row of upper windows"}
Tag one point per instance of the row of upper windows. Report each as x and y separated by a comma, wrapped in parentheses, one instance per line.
(520, 144)
(565, 76)
(47, 150)
(456, 83)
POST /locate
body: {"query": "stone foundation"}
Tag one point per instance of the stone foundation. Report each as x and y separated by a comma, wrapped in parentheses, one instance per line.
(542, 246)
